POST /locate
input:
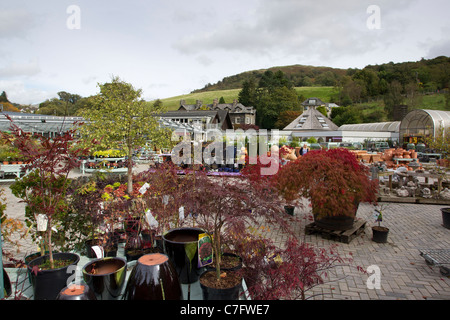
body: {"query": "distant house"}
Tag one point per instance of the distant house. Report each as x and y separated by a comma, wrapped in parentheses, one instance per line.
(206, 119)
(239, 114)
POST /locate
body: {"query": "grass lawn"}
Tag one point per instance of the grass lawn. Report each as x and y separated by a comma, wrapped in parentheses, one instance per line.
(207, 97)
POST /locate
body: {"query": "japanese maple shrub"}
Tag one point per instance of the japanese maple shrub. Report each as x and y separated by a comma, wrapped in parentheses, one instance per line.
(44, 187)
(334, 181)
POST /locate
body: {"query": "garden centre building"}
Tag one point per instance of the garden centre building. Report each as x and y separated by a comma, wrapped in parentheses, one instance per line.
(415, 124)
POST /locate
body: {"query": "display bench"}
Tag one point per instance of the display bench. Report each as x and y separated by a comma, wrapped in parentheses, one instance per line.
(109, 165)
(19, 279)
(8, 170)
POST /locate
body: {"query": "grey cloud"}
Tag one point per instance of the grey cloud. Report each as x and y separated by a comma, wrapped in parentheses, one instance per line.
(301, 28)
(15, 23)
(15, 69)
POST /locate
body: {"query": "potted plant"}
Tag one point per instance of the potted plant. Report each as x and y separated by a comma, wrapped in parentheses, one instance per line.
(380, 233)
(43, 189)
(446, 217)
(335, 183)
(291, 272)
(225, 208)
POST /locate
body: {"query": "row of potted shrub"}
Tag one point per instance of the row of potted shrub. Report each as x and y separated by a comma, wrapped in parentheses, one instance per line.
(224, 209)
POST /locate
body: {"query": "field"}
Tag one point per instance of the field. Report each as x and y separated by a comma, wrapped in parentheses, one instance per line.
(433, 101)
(207, 97)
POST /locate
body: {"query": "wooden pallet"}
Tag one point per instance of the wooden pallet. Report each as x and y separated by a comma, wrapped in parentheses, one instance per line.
(344, 236)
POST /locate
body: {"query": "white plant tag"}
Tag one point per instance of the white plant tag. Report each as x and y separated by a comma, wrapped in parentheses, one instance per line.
(181, 213)
(98, 251)
(41, 222)
(151, 219)
(144, 188)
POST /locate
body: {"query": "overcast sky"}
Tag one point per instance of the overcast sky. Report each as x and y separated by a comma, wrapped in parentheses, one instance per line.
(171, 47)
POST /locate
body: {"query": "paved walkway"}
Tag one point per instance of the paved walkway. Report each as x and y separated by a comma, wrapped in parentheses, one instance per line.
(404, 273)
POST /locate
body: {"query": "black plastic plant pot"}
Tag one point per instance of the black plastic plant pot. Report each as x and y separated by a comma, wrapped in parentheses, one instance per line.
(289, 210)
(48, 283)
(110, 251)
(238, 266)
(6, 284)
(106, 277)
(153, 278)
(209, 293)
(446, 217)
(76, 292)
(181, 246)
(380, 234)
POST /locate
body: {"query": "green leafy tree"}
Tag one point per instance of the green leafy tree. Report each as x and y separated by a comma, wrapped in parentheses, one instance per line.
(248, 94)
(120, 118)
(393, 98)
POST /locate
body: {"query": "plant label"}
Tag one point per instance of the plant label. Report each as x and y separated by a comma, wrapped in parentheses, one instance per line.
(98, 251)
(152, 222)
(41, 220)
(205, 250)
(181, 213)
(144, 188)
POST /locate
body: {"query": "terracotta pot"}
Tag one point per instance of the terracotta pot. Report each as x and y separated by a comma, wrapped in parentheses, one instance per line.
(153, 278)
(181, 246)
(76, 292)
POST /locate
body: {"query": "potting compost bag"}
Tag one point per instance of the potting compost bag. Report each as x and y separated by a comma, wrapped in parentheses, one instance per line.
(205, 250)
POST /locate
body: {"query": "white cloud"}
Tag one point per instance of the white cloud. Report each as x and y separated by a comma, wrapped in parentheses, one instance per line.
(18, 92)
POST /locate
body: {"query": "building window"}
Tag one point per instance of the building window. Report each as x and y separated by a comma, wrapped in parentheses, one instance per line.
(237, 120)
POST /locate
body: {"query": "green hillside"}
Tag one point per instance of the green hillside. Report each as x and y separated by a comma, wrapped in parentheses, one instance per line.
(207, 97)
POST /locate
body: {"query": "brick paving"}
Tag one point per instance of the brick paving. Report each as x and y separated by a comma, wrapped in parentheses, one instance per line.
(404, 273)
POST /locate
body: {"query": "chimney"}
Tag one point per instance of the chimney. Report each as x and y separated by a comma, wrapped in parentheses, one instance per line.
(235, 103)
(215, 102)
(198, 104)
(182, 102)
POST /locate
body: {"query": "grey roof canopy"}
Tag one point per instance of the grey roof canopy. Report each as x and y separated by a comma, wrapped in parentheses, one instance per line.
(311, 119)
(423, 122)
(372, 127)
(38, 123)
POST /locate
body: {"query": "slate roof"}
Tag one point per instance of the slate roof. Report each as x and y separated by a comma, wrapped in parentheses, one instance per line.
(235, 107)
(311, 120)
(313, 102)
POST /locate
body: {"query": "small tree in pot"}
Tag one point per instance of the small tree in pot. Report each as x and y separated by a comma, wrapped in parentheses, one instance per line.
(48, 162)
(226, 207)
(44, 189)
(333, 180)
